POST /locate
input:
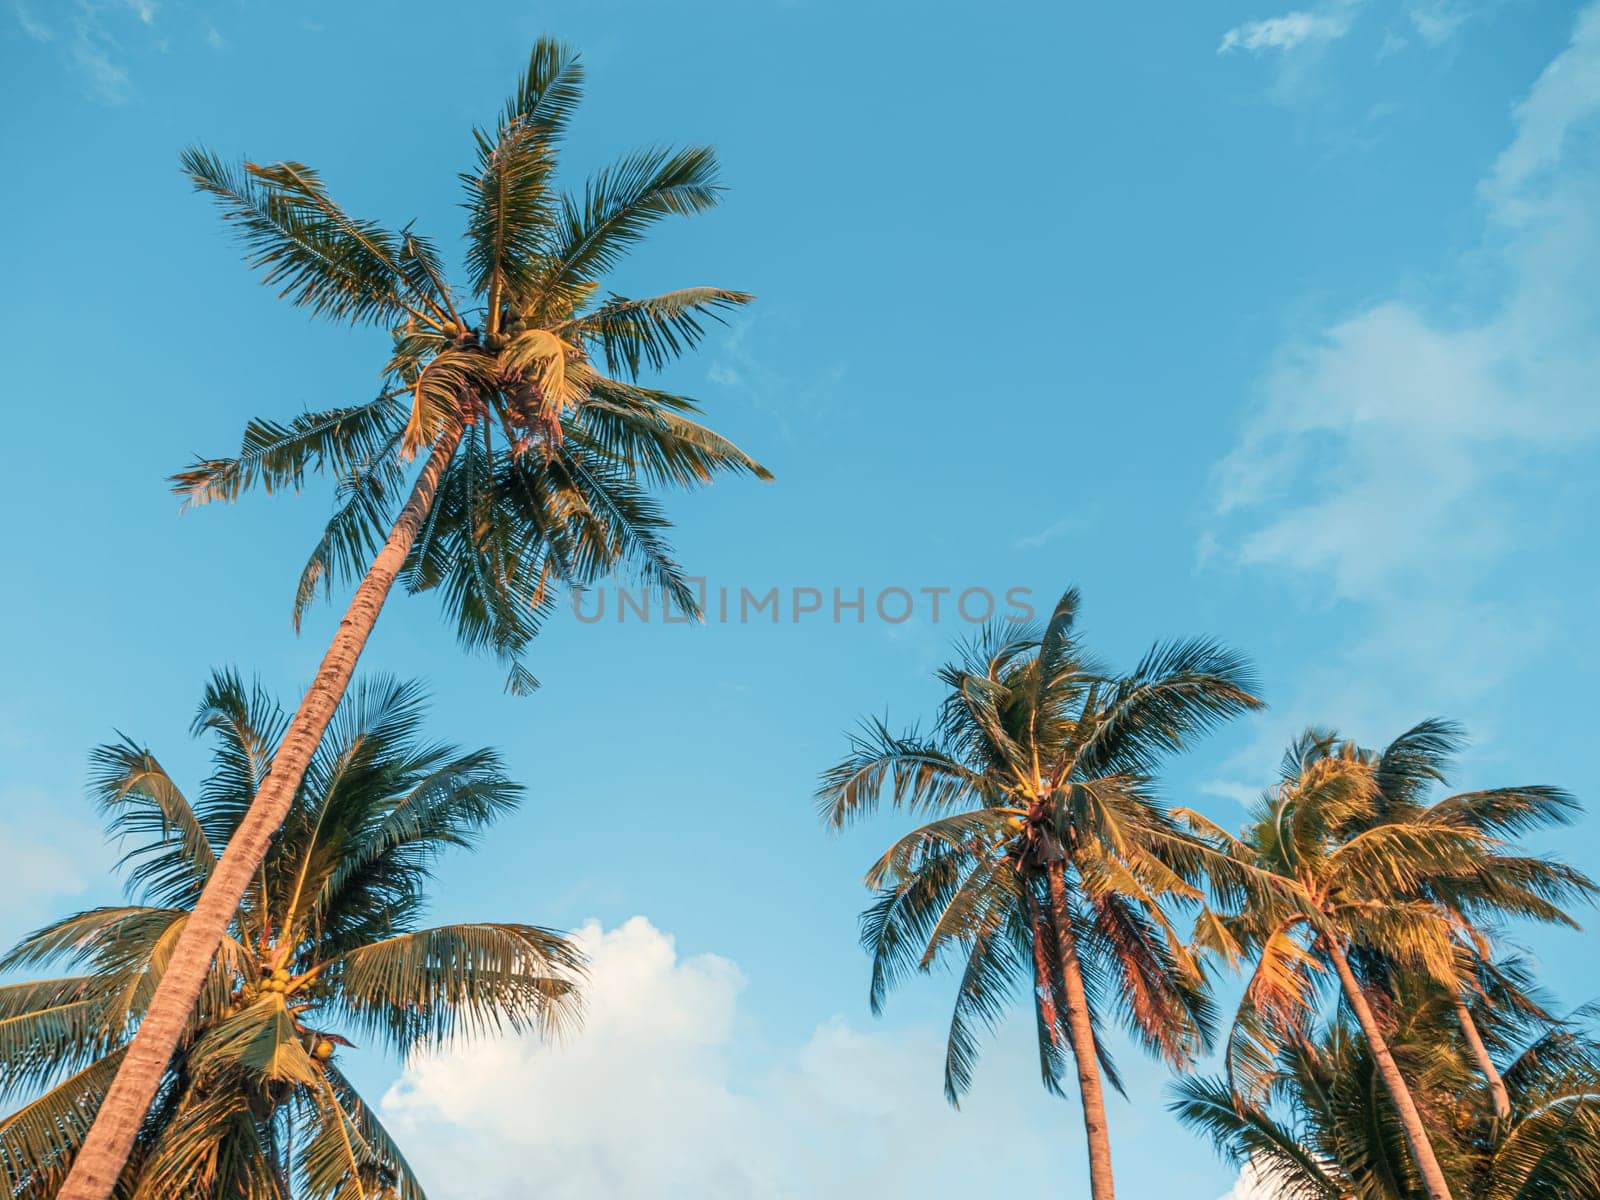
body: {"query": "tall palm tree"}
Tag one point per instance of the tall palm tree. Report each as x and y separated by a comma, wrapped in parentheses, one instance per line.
(1367, 878)
(1328, 1130)
(536, 462)
(1048, 859)
(327, 940)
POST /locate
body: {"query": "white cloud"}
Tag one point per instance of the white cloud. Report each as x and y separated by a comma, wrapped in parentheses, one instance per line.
(1053, 532)
(48, 859)
(1252, 1186)
(30, 24)
(1401, 455)
(649, 1100)
(1392, 448)
(96, 37)
(1286, 32)
(1561, 106)
(1437, 21)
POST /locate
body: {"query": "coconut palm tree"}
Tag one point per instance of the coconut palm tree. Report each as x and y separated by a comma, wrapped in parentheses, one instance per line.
(1370, 879)
(1329, 1131)
(1505, 884)
(327, 941)
(1048, 861)
(518, 390)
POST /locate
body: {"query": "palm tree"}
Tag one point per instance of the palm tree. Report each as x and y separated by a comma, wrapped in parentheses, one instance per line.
(536, 462)
(327, 938)
(1328, 1131)
(1048, 859)
(1503, 885)
(1373, 885)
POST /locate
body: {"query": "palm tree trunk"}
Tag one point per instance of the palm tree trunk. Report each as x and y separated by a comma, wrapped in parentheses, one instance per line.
(1480, 1055)
(1081, 1031)
(1410, 1118)
(110, 1140)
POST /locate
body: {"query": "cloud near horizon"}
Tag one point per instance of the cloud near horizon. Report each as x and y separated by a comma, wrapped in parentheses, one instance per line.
(646, 1101)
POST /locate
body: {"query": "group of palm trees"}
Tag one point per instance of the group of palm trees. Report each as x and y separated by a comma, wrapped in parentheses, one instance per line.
(188, 1043)
(1385, 1046)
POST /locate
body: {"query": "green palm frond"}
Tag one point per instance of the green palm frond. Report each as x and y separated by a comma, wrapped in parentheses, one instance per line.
(49, 1027)
(1246, 1134)
(919, 775)
(275, 455)
(511, 209)
(618, 206)
(351, 1153)
(985, 993)
(643, 430)
(429, 984)
(653, 332)
(1038, 770)
(212, 1144)
(327, 937)
(315, 255)
(261, 1041)
(172, 857)
(38, 1140)
(545, 464)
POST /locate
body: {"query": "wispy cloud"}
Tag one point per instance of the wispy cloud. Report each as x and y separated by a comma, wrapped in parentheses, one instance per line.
(100, 38)
(1562, 104)
(1051, 533)
(30, 24)
(1401, 454)
(1288, 31)
(743, 364)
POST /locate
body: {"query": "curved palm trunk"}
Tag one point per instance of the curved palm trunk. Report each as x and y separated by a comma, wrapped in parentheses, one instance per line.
(1480, 1055)
(110, 1140)
(1410, 1118)
(1081, 1032)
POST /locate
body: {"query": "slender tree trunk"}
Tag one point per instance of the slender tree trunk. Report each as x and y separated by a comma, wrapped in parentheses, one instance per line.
(1410, 1118)
(1480, 1055)
(110, 1140)
(1081, 1030)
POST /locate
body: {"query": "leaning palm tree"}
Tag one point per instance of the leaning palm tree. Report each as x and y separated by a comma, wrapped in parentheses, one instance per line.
(1329, 1131)
(326, 941)
(518, 391)
(1048, 860)
(1504, 885)
(1366, 879)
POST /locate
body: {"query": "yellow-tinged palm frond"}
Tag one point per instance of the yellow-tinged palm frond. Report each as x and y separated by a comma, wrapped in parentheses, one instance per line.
(538, 493)
(259, 1041)
(430, 984)
(1038, 769)
(38, 1140)
(325, 939)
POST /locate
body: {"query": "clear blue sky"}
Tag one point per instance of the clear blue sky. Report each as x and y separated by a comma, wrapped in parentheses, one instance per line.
(1273, 325)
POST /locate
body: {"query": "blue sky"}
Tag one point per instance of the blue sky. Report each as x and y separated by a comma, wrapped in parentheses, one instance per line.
(1273, 325)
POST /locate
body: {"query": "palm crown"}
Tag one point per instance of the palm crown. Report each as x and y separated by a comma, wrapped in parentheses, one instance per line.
(1371, 869)
(1048, 858)
(1373, 885)
(327, 942)
(525, 379)
(1327, 1131)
